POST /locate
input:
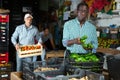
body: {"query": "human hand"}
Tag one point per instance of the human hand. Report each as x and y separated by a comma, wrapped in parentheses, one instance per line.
(77, 41)
(17, 46)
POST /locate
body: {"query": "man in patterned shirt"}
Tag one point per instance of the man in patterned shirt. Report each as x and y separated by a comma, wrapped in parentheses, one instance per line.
(76, 28)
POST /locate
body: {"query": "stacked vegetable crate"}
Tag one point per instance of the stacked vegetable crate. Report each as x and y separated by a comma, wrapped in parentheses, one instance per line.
(54, 69)
(3, 58)
(4, 37)
(87, 75)
(86, 61)
(5, 70)
(5, 66)
(32, 69)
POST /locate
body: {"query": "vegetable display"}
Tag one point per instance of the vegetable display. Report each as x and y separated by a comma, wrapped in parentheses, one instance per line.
(89, 57)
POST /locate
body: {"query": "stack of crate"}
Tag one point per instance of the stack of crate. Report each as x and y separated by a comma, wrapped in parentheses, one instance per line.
(5, 70)
(3, 57)
(5, 65)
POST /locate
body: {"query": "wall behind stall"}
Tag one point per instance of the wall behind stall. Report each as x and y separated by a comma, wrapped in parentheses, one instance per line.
(43, 5)
(74, 4)
(107, 22)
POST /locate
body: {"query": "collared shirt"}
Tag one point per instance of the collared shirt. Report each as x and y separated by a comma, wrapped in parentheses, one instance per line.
(25, 36)
(72, 29)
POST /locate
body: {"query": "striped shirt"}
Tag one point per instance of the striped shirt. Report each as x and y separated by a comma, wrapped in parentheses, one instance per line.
(72, 29)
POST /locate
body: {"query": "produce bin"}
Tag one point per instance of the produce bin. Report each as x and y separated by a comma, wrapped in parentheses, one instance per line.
(63, 72)
(51, 61)
(92, 66)
(80, 75)
(32, 69)
(114, 67)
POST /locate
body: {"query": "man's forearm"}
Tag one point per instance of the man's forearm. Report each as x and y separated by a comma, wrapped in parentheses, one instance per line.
(70, 42)
(13, 41)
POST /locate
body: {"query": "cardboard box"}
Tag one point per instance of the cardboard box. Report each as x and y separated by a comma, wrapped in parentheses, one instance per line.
(16, 76)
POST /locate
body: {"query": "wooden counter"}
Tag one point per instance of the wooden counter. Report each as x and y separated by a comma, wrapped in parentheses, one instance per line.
(108, 51)
(59, 53)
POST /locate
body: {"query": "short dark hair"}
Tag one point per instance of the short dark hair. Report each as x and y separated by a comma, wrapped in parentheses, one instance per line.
(82, 4)
(45, 27)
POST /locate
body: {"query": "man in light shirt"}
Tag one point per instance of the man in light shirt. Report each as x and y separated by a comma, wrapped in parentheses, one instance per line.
(76, 28)
(26, 35)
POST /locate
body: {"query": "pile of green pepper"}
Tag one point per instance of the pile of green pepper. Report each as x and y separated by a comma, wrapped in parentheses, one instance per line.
(84, 44)
(89, 57)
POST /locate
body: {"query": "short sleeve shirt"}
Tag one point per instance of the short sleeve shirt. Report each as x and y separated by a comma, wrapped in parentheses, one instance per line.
(45, 38)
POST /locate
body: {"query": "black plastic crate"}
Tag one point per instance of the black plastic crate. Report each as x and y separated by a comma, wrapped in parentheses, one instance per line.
(5, 70)
(92, 66)
(114, 67)
(59, 74)
(52, 61)
(29, 73)
(62, 74)
(3, 49)
(4, 78)
(4, 75)
(94, 76)
(59, 77)
(6, 67)
(77, 75)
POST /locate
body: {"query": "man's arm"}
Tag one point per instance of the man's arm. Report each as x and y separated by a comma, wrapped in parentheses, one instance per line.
(66, 41)
(14, 38)
(52, 43)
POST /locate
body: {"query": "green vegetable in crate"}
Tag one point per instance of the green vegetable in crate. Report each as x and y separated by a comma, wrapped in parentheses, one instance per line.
(89, 57)
(94, 58)
(80, 59)
(74, 55)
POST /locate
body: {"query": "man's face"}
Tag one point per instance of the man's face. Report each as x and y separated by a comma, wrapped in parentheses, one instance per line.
(82, 13)
(28, 21)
